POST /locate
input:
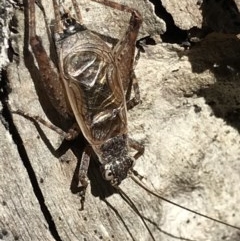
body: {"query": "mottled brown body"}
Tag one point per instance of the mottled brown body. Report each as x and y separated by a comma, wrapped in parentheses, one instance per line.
(96, 95)
(92, 82)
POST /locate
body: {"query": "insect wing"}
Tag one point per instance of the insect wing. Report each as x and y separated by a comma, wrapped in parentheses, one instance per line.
(96, 95)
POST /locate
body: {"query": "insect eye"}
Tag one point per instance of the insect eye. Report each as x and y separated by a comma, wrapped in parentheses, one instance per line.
(108, 175)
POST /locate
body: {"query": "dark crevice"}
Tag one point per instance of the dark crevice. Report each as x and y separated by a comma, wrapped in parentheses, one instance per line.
(7, 117)
(173, 33)
(13, 51)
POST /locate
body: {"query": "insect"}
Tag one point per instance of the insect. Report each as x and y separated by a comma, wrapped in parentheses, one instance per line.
(93, 84)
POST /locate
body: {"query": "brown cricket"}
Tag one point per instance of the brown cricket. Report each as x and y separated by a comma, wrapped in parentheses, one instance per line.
(93, 83)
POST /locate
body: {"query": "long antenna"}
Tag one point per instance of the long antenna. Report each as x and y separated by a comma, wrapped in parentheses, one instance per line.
(142, 185)
(132, 205)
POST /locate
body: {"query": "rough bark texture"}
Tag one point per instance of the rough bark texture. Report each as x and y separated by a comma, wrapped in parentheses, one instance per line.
(188, 121)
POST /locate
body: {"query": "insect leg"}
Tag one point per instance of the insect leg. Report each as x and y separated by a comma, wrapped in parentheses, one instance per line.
(58, 25)
(140, 150)
(83, 169)
(71, 134)
(78, 12)
(133, 83)
(137, 146)
(50, 77)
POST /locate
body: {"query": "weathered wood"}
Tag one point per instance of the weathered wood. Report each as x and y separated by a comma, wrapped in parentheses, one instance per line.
(186, 14)
(191, 155)
(21, 217)
(219, 16)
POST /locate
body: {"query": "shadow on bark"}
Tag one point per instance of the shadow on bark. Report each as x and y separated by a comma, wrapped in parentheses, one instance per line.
(219, 52)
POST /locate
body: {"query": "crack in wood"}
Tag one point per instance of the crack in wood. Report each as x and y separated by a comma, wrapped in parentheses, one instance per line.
(173, 33)
(7, 116)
